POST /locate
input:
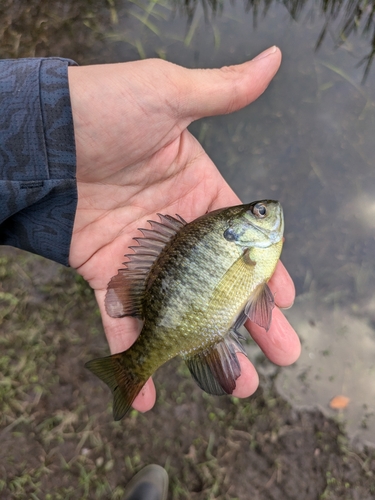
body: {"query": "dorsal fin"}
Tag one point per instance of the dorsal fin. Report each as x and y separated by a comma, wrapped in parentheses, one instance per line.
(125, 290)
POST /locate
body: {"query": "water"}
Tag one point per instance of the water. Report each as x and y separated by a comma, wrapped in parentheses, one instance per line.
(309, 142)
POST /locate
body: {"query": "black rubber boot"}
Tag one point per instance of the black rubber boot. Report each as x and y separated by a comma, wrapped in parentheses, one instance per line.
(150, 483)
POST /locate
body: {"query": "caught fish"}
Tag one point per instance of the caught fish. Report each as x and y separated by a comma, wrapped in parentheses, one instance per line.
(193, 286)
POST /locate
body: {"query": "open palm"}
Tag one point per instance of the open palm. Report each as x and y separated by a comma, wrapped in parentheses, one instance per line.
(135, 158)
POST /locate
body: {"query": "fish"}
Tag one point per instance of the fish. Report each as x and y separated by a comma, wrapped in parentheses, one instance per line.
(193, 285)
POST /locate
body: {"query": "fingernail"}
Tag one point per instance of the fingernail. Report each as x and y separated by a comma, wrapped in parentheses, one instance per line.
(265, 53)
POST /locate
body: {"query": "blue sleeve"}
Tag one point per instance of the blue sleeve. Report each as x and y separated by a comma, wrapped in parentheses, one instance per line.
(38, 192)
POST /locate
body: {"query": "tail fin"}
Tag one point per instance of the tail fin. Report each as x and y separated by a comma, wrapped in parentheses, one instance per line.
(124, 385)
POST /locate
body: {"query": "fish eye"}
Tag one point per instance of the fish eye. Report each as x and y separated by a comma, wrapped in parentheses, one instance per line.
(260, 210)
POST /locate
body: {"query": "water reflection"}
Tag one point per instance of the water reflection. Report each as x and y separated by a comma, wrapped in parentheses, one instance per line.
(341, 18)
(75, 28)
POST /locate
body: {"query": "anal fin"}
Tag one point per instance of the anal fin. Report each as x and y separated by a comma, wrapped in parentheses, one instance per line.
(217, 368)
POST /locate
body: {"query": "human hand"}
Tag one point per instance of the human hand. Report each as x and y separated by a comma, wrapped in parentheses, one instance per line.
(135, 158)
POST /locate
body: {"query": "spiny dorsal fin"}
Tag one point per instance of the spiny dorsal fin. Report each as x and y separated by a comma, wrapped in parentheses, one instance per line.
(125, 290)
(217, 368)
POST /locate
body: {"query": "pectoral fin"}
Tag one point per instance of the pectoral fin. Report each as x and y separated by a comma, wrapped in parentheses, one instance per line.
(217, 368)
(259, 308)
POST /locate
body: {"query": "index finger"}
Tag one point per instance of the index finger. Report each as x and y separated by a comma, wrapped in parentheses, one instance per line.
(282, 287)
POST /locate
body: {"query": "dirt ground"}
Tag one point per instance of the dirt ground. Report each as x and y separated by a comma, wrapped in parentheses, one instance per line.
(59, 441)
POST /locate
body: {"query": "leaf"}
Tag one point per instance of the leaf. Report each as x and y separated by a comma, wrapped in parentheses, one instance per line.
(339, 402)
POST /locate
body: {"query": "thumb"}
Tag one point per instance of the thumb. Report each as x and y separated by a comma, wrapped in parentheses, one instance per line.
(208, 92)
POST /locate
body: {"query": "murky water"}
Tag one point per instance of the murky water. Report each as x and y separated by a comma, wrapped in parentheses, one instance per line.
(309, 142)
